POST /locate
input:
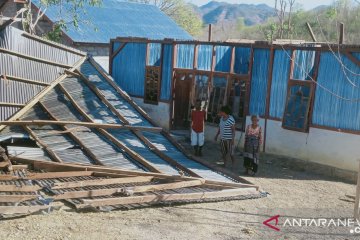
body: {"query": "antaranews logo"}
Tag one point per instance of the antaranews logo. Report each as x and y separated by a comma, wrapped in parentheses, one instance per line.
(274, 223)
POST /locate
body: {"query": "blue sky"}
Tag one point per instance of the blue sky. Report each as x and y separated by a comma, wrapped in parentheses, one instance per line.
(307, 4)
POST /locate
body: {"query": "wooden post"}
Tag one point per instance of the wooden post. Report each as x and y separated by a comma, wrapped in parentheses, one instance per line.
(357, 196)
(341, 35)
(311, 32)
(210, 33)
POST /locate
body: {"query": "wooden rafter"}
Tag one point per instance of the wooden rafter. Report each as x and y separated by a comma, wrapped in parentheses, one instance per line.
(24, 80)
(101, 182)
(36, 59)
(6, 104)
(55, 45)
(83, 124)
(130, 190)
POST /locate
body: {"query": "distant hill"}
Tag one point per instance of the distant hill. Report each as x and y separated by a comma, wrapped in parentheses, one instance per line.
(216, 12)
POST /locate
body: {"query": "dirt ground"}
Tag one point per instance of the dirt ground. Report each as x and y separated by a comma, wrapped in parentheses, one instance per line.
(291, 193)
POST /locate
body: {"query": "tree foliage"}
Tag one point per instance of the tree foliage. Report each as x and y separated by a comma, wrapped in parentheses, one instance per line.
(181, 12)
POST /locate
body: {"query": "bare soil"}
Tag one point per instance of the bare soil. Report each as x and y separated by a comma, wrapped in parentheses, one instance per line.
(290, 191)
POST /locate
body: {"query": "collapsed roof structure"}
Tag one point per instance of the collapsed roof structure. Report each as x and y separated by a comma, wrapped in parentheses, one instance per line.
(80, 121)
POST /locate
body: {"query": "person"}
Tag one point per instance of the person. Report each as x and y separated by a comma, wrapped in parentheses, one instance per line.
(253, 141)
(197, 128)
(227, 134)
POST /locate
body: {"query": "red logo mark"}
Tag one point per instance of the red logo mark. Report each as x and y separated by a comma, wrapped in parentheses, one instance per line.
(267, 222)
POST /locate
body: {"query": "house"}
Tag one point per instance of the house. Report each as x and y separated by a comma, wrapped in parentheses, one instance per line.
(98, 25)
(307, 95)
(58, 105)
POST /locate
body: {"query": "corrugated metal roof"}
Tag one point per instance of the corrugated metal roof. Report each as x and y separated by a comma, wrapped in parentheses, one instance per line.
(117, 18)
(14, 64)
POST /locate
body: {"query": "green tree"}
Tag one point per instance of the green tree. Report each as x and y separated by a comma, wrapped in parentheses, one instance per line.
(69, 12)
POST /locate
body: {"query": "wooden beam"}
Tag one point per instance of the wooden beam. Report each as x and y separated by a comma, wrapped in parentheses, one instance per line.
(113, 55)
(36, 176)
(75, 138)
(84, 124)
(210, 33)
(15, 188)
(6, 104)
(42, 94)
(53, 44)
(232, 60)
(43, 145)
(357, 196)
(352, 58)
(154, 198)
(101, 182)
(311, 32)
(16, 198)
(109, 136)
(41, 60)
(24, 80)
(342, 33)
(127, 190)
(102, 171)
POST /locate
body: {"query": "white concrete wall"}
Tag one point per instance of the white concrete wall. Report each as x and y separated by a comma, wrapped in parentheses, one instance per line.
(330, 148)
(326, 147)
(159, 113)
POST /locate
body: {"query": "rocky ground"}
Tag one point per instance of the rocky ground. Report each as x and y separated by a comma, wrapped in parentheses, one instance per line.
(293, 192)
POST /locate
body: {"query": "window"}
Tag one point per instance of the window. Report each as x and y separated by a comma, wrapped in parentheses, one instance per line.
(296, 115)
(152, 84)
(201, 90)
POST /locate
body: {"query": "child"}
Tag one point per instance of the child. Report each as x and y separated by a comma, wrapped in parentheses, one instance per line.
(197, 128)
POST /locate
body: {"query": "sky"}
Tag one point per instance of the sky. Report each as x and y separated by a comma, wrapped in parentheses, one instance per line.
(306, 4)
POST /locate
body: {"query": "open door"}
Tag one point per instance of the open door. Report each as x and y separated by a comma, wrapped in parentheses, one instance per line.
(182, 105)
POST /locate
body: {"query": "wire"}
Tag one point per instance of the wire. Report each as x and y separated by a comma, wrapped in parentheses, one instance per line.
(317, 83)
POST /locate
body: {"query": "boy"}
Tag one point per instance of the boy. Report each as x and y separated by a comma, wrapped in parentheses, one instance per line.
(227, 134)
(197, 128)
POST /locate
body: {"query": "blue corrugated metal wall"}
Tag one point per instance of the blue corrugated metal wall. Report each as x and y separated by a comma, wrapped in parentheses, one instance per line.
(129, 67)
(204, 57)
(185, 56)
(259, 81)
(166, 73)
(242, 60)
(280, 74)
(329, 110)
(154, 54)
(303, 64)
(223, 58)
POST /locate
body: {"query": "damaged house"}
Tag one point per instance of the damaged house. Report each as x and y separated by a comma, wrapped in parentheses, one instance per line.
(72, 134)
(307, 95)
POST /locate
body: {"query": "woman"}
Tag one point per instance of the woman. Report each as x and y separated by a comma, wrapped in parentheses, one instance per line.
(253, 140)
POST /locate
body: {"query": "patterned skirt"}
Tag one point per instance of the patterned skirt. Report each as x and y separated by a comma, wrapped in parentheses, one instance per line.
(251, 152)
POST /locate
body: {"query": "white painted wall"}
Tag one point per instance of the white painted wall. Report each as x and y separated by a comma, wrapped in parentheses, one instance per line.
(159, 113)
(326, 147)
(331, 148)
